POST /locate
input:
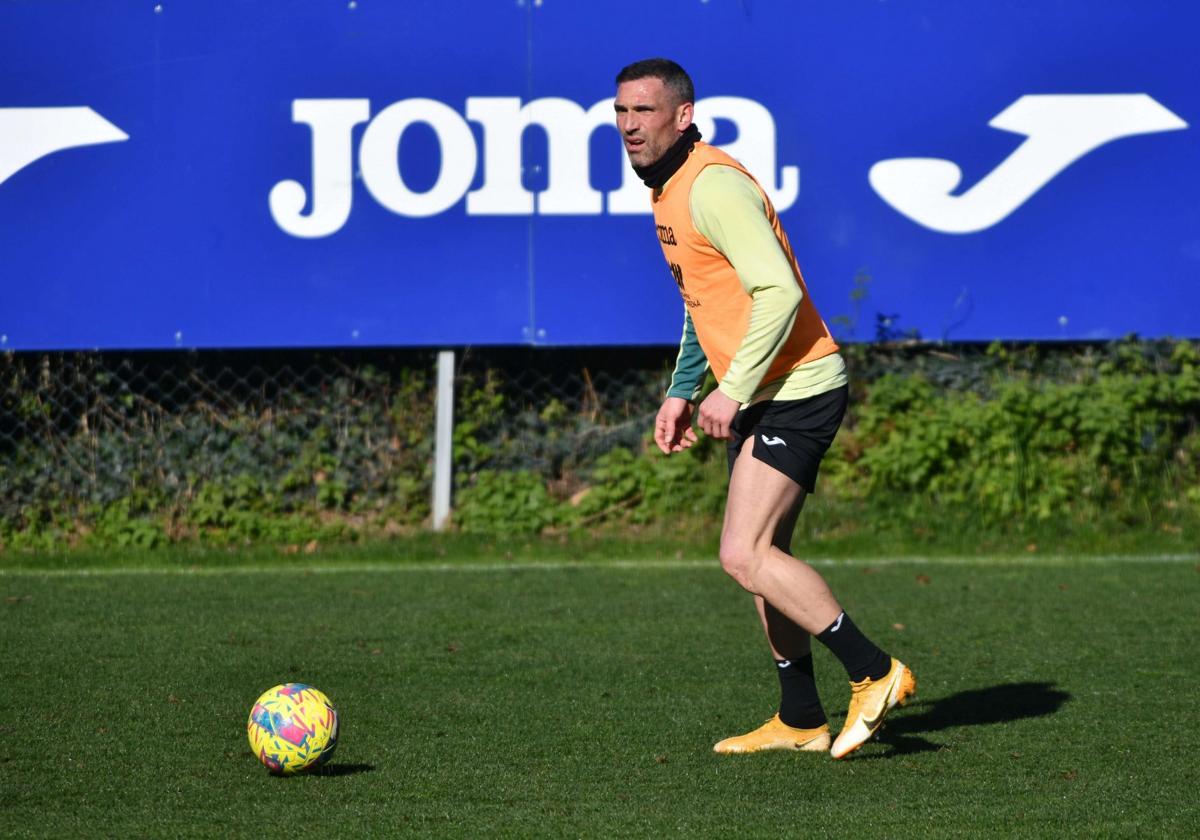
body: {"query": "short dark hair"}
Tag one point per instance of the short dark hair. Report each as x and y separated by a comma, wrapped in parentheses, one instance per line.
(673, 77)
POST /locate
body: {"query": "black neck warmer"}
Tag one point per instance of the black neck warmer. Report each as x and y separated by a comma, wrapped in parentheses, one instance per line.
(657, 173)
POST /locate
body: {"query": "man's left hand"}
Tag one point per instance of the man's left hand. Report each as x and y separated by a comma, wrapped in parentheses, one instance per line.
(717, 413)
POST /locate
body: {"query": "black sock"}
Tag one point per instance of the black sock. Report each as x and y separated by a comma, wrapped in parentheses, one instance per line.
(799, 705)
(859, 655)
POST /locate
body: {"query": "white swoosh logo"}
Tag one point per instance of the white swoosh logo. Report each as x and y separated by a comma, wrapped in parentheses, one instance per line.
(30, 134)
(775, 441)
(1060, 130)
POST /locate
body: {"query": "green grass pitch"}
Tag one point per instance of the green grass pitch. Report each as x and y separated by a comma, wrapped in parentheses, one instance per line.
(1056, 698)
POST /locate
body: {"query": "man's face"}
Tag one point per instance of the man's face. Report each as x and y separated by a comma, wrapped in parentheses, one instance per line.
(649, 119)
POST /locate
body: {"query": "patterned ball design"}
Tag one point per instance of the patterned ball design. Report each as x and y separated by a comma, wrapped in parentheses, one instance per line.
(292, 727)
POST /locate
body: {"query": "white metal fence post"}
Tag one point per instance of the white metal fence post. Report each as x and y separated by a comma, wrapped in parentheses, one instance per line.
(444, 440)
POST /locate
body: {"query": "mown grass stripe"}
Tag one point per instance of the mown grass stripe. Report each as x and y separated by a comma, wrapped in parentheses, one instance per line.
(562, 565)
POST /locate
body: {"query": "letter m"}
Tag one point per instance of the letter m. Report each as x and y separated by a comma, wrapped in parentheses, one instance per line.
(568, 128)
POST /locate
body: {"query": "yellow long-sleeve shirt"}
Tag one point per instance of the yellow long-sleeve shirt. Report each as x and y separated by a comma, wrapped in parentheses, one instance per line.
(727, 209)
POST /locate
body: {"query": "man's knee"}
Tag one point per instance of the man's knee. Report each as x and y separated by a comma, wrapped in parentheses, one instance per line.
(741, 560)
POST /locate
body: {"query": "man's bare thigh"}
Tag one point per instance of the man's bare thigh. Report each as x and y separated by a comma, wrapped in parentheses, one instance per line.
(760, 499)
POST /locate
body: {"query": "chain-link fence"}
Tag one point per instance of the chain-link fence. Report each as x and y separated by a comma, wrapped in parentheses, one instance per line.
(193, 433)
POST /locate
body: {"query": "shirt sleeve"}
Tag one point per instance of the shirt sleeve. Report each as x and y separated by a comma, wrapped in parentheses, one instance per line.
(728, 210)
(691, 365)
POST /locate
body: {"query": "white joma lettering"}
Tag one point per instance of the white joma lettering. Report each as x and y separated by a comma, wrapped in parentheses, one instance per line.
(1059, 129)
(568, 127)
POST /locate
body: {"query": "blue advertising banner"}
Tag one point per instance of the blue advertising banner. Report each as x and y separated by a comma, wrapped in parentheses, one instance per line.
(416, 173)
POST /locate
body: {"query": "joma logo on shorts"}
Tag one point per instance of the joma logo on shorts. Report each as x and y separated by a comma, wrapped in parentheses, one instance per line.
(323, 207)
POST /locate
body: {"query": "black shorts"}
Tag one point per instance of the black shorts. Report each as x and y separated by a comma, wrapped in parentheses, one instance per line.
(792, 435)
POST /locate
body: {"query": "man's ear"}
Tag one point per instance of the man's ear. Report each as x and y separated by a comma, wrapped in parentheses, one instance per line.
(683, 116)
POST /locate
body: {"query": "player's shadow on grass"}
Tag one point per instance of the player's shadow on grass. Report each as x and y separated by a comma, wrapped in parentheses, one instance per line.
(979, 707)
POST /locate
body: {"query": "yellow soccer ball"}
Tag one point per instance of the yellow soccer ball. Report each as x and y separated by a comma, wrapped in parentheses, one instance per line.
(292, 727)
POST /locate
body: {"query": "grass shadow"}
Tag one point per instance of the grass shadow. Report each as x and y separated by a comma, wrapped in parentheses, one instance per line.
(342, 769)
(978, 707)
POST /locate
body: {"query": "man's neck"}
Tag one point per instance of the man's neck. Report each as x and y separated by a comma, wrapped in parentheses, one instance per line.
(656, 175)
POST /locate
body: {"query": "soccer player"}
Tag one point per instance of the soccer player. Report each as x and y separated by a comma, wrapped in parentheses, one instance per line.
(781, 395)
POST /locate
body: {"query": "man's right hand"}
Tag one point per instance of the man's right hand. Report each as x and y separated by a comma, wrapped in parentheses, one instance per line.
(673, 430)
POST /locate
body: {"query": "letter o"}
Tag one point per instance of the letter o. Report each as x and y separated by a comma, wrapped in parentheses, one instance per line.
(381, 170)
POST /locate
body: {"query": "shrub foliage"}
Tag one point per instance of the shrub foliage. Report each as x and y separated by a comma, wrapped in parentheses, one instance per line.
(289, 448)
